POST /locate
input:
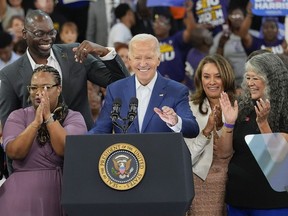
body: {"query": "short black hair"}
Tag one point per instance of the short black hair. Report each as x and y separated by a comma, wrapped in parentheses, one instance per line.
(162, 11)
(5, 38)
(121, 10)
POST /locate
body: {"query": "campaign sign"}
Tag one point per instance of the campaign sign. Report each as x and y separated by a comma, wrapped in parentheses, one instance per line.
(152, 3)
(270, 7)
(213, 12)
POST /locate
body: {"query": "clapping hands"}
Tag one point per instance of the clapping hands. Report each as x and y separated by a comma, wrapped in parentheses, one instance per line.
(230, 112)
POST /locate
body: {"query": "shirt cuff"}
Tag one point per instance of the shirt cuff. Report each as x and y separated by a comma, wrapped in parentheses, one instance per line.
(111, 55)
(178, 126)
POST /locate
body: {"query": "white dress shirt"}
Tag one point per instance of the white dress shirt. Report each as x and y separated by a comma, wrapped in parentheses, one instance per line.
(143, 94)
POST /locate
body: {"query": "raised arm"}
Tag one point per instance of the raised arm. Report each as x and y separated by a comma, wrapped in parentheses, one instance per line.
(224, 148)
(246, 37)
(189, 21)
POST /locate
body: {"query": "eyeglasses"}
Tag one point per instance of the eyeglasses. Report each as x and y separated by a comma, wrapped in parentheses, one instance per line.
(160, 20)
(41, 34)
(34, 88)
(236, 16)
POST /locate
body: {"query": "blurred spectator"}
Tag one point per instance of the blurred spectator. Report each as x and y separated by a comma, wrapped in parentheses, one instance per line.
(121, 31)
(97, 23)
(143, 19)
(270, 35)
(174, 48)
(201, 41)
(16, 5)
(122, 50)
(7, 55)
(15, 28)
(228, 43)
(68, 33)
(20, 47)
(76, 12)
(6, 12)
(94, 98)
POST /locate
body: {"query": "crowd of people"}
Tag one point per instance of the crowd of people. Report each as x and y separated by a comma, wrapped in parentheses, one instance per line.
(215, 81)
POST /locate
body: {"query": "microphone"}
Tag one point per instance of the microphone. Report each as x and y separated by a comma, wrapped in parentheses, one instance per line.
(115, 113)
(132, 113)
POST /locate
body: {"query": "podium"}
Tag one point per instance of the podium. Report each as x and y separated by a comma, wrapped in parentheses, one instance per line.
(165, 188)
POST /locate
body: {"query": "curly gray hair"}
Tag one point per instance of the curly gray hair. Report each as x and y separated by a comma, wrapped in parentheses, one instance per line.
(272, 70)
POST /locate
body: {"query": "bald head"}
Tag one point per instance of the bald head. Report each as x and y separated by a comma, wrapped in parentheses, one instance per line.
(36, 16)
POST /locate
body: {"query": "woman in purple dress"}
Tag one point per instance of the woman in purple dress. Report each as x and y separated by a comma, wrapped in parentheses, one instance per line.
(34, 137)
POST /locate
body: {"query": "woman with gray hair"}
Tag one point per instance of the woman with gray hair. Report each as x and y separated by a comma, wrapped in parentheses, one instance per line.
(261, 108)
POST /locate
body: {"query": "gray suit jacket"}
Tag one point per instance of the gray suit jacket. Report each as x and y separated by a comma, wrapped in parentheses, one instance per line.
(16, 76)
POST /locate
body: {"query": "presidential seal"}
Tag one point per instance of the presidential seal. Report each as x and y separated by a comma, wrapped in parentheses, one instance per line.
(122, 166)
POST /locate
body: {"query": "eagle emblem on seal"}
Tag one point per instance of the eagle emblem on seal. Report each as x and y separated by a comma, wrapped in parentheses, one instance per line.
(122, 166)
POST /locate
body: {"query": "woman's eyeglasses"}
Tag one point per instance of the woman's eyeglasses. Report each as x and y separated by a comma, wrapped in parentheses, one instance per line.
(34, 88)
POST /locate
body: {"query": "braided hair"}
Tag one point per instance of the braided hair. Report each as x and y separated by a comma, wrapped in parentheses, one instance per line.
(61, 110)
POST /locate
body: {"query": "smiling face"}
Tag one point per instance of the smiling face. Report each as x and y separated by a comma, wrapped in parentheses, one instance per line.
(236, 18)
(211, 81)
(270, 30)
(256, 85)
(161, 26)
(39, 46)
(17, 25)
(144, 58)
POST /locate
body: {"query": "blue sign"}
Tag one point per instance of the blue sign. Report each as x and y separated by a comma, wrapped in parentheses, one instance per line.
(270, 7)
(152, 3)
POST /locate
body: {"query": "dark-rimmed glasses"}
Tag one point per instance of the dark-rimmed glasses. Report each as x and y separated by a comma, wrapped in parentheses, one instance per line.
(41, 34)
(34, 88)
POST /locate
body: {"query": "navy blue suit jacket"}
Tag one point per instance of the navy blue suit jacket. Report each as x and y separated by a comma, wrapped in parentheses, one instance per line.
(166, 92)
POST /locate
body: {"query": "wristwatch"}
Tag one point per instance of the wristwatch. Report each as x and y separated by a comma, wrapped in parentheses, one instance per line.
(207, 137)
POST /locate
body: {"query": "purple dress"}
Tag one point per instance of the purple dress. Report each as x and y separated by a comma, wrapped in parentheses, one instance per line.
(34, 188)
